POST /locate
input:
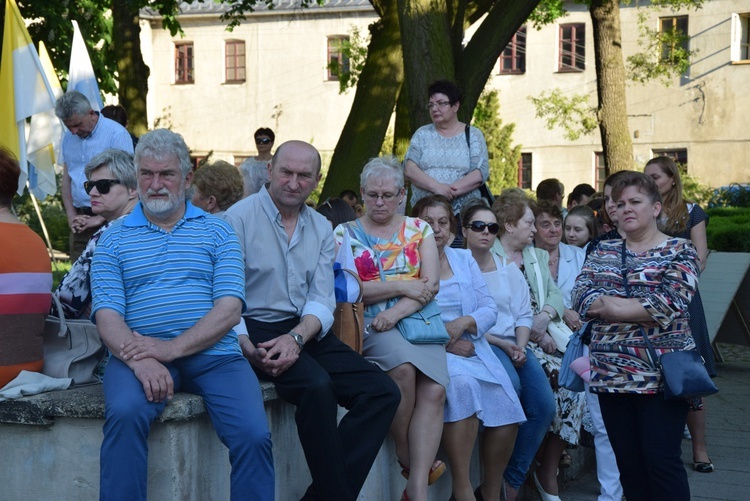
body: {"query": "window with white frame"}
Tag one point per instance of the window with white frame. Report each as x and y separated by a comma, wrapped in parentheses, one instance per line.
(740, 47)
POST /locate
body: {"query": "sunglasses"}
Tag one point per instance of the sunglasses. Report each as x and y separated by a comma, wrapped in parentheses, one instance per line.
(479, 226)
(262, 140)
(102, 185)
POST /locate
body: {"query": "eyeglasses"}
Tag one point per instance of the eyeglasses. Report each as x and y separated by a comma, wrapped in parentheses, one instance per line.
(102, 185)
(386, 197)
(440, 104)
(262, 140)
(479, 226)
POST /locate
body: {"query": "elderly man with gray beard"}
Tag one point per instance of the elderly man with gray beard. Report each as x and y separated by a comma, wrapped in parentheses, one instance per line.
(168, 287)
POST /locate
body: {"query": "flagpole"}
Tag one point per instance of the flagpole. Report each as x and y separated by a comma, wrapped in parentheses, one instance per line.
(44, 227)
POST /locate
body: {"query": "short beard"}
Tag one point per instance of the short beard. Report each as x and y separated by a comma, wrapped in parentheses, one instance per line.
(162, 209)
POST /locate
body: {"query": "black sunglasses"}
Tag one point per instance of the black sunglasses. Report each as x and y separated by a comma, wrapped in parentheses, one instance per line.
(262, 140)
(479, 227)
(102, 185)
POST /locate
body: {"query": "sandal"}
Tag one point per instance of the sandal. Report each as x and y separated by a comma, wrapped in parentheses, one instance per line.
(404, 496)
(702, 467)
(436, 471)
(565, 461)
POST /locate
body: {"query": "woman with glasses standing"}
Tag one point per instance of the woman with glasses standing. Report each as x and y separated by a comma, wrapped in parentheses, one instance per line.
(446, 157)
(112, 185)
(255, 169)
(397, 259)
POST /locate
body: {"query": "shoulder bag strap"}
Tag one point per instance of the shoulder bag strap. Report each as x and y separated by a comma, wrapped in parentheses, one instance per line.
(539, 282)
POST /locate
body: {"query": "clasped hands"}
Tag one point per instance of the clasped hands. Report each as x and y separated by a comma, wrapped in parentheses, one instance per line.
(273, 357)
(146, 356)
(449, 191)
(82, 222)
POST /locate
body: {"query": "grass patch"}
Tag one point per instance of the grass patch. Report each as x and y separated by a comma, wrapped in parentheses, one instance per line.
(58, 272)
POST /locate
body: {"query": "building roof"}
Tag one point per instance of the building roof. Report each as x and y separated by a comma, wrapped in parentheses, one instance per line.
(210, 7)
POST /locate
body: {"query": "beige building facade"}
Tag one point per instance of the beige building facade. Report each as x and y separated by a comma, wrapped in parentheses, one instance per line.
(701, 118)
(216, 87)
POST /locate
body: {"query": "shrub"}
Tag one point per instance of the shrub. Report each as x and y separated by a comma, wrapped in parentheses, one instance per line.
(734, 195)
(729, 229)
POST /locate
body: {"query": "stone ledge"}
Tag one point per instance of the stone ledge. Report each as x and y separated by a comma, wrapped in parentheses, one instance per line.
(88, 402)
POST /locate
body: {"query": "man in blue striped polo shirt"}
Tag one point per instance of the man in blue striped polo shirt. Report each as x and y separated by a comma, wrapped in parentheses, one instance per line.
(168, 286)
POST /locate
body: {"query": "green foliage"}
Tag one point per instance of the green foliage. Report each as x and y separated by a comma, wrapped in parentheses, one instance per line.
(663, 55)
(734, 195)
(573, 114)
(58, 272)
(693, 190)
(547, 12)
(354, 49)
(50, 22)
(503, 156)
(729, 229)
(53, 214)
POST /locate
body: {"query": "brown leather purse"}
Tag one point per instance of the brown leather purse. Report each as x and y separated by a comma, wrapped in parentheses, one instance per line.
(349, 319)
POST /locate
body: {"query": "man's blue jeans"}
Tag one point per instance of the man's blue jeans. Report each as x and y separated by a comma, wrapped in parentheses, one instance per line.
(538, 402)
(234, 402)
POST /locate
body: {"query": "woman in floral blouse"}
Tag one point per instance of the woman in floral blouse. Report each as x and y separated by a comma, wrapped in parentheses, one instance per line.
(627, 286)
(405, 249)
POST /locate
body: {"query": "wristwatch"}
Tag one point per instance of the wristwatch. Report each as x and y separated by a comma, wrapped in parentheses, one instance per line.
(298, 339)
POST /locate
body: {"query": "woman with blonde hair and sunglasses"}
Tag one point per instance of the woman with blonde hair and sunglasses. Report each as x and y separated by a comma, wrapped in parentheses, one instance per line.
(112, 184)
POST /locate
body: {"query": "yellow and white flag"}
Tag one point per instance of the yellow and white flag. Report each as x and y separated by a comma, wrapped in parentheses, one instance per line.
(45, 136)
(24, 89)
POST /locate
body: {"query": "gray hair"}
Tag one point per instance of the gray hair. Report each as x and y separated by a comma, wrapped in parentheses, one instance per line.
(161, 144)
(383, 167)
(120, 164)
(72, 103)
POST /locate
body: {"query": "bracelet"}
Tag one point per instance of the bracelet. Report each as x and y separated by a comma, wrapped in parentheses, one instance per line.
(549, 314)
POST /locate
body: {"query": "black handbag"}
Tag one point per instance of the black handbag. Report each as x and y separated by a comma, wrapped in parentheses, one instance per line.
(683, 372)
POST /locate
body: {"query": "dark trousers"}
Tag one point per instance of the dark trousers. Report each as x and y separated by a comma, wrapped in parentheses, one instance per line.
(327, 374)
(646, 436)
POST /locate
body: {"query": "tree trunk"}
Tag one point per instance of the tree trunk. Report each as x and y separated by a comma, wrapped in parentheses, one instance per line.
(374, 100)
(132, 71)
(428, 51)
(610, 77)
(479, 57)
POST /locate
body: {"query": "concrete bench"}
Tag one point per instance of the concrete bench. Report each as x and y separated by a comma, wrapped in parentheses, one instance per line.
(51, 442)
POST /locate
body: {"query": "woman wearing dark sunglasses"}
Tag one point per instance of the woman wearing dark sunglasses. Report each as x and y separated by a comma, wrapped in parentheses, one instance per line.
(112, 185)
(255, 169)
(514, 214)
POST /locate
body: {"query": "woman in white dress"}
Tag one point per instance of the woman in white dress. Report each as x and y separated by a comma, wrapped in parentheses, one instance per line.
(480, 391)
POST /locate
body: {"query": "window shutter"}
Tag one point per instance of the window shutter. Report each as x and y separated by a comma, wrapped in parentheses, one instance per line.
(734, 50)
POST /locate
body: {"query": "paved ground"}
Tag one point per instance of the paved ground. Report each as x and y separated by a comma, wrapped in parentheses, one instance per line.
(728, 437)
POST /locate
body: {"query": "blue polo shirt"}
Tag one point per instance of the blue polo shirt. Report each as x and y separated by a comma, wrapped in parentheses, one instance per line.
(163, 282)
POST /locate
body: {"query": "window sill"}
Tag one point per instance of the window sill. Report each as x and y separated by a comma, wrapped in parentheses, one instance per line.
(741, 62)
(569, 70)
